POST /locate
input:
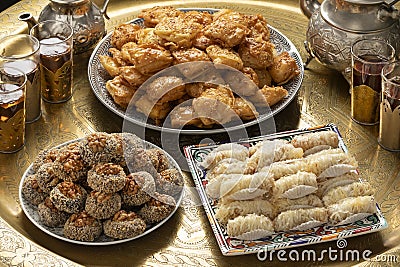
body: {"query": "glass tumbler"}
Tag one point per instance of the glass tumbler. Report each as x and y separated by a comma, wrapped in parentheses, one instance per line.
(22, 51)
(389, 128)
(368, 57)
(56, 56)
(12, 109)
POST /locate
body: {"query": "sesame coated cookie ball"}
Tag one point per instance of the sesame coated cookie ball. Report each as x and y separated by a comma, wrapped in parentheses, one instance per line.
(157, 208)
(124, 225)
(102, 205)
(106, 177)
(32, 192)
(68, 197)
(83, 227)
(139, 188)
(50, 216)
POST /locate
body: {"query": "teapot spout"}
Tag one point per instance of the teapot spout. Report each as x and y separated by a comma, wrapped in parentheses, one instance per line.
(28, 18)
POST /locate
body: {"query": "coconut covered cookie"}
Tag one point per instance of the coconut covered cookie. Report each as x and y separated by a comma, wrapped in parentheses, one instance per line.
(140, 161)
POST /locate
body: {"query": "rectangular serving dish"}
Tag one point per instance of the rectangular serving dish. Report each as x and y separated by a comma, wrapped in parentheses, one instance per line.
(229, 246)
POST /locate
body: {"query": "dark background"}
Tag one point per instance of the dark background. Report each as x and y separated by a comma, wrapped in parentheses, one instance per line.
(7, 3)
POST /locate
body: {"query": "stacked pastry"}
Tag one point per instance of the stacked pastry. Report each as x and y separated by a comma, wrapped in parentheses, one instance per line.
(280, 185)
(195, 92)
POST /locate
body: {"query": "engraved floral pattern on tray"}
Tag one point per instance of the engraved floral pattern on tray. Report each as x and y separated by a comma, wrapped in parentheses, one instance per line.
(229, 246)
(98, 78)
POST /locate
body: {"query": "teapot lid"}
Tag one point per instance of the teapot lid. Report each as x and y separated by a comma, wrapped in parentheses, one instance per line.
(360, 16)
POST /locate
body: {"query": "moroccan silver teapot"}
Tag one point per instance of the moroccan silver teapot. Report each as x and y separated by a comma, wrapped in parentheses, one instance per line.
(335, 24)
(85, 17)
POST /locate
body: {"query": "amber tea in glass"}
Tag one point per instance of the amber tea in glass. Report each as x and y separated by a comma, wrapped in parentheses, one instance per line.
(369, 56)
(55, 59)
(21, 51)
(12, 109)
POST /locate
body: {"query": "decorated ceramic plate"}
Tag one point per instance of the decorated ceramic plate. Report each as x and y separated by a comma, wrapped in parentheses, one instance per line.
(31, 211)
(98, 78)
(229, 246)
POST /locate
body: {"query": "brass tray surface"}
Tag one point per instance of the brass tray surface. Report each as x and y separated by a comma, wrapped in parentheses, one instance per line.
(187, 239)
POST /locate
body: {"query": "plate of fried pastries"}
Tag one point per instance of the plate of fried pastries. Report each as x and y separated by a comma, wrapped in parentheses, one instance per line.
(101, 189)
(283, 190)
(195, 71)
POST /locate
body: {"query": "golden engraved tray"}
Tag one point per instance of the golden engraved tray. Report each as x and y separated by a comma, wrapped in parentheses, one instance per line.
(187, 239)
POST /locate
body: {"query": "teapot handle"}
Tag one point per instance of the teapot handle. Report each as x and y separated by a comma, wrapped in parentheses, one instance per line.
(104, 9)
(308, 7)
(390, 2)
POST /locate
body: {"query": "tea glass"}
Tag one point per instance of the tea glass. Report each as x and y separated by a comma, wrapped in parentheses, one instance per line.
(56, 56)
(12, 109)
(21, 51)
(368, 57)
(389, 128)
